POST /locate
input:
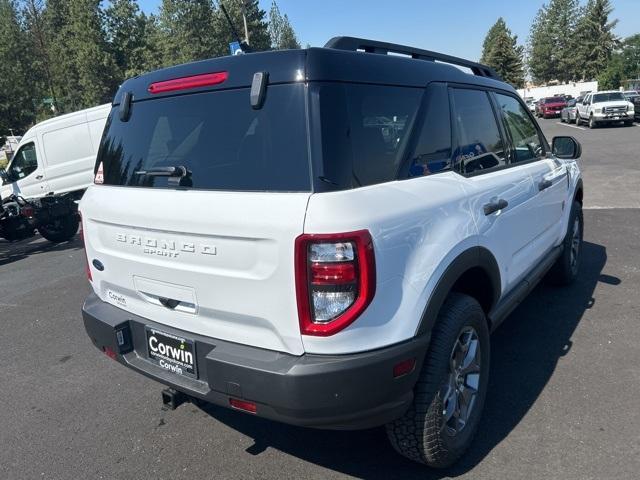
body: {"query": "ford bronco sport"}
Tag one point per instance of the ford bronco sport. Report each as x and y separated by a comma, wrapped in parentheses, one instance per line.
(326, 237)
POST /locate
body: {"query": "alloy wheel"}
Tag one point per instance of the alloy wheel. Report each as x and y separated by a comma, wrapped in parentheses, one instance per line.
(460, 390)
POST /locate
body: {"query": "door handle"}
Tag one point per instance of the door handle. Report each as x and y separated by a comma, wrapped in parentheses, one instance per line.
(544, 184)
(493, 207)
(39, 177)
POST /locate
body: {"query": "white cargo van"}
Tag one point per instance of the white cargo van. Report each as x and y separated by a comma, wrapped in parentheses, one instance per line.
(57, 155)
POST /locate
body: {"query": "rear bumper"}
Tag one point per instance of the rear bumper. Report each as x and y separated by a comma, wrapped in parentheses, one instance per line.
(325, 391)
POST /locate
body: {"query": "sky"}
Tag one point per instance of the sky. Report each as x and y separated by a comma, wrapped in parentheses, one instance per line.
(456, 27)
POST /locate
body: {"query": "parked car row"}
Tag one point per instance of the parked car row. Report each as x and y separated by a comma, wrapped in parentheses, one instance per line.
(602, 108)
(590, 108)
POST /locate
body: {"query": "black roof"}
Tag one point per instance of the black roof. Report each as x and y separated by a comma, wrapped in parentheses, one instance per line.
(340, 61)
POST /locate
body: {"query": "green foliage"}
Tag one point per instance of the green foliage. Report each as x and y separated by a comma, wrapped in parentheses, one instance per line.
(596, 40)
(185, 30)
(553, 43)
(126, 27)
(75, 53)
(612, 77)
(17, 110)
(280, 30)
(85, 70)
(630, 56)
(501, 51)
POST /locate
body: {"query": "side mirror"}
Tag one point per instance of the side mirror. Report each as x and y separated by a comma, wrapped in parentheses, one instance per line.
(4, 176)
(566, 147)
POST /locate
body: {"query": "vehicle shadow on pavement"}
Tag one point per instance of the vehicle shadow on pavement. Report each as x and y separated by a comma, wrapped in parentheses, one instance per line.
(525, 352)
(13, 251)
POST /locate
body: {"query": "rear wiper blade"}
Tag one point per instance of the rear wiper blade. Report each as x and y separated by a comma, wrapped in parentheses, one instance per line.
(178, 171)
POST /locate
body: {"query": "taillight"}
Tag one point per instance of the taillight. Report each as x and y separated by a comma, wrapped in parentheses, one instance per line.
(185, 83)
(335, 280)
(87, 269)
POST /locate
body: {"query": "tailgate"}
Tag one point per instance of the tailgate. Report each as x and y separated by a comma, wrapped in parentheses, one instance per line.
(214, 263)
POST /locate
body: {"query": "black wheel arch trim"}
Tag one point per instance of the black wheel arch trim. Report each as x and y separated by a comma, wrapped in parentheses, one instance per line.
(474, 257)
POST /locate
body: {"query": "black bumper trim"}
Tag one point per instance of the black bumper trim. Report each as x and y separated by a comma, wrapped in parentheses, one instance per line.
(325, 391)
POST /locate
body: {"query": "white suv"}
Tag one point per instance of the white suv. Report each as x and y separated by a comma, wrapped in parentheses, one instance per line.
(605, 107)
(325, 237)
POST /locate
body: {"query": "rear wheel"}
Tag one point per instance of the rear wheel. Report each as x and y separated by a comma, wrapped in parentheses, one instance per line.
(565, 270)
(450, 393)
(61, 229)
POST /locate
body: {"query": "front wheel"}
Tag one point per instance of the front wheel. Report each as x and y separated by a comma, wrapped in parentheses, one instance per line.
(450, 393)
(592, 122)
(61, 229)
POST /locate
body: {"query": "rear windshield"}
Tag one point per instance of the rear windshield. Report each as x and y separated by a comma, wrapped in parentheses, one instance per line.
(607, 97)
(554, 100)
(218, 137)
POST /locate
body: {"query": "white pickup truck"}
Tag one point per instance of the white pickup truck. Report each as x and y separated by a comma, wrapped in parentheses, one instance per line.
(605, 107)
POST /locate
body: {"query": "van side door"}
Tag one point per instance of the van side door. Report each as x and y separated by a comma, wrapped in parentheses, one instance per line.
(25, 173)
(501, 194)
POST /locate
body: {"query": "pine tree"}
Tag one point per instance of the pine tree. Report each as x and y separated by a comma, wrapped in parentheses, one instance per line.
(38, 49)
(552, 42)
(631, 57)
(185, 30)
(502, 52)
(149, 55)
(596, 40)
(282, 34)
(85, 72)
(562, 16)
(539, 49)
(125, 26)
(17, 86)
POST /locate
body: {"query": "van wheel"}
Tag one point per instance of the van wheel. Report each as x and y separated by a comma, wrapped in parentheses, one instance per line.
(61, 229)
(565, 270)
(450, 392)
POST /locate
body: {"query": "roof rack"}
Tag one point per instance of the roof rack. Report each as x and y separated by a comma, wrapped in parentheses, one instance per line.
(372, 46)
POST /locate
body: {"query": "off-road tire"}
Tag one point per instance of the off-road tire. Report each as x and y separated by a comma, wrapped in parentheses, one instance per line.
(564, 271)
(419, 434)
(64, 229)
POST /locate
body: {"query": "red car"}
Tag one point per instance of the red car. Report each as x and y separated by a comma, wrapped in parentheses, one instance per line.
(550, 107)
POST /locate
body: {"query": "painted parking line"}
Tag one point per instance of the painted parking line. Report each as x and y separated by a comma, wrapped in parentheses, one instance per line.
(571, 126)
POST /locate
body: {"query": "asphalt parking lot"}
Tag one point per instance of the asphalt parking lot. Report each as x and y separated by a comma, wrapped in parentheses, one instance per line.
(564, 399)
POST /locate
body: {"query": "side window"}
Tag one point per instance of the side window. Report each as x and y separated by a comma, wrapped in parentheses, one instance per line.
(432, 153)
(479, 143)
(527, 144)
(365, 131)
(24, 163)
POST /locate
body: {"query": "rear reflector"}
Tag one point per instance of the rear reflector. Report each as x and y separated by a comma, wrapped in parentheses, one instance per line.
(404, 367)
(109, 352)
(243, 405)
(87, 268)
(185, 83)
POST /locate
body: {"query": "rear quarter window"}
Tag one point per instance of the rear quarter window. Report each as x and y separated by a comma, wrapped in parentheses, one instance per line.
(364, 131)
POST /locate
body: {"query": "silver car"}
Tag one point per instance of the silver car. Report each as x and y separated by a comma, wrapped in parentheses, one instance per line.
(569, 113)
